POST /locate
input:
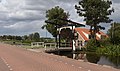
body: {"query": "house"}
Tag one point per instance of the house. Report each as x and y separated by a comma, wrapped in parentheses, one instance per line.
(84, 36)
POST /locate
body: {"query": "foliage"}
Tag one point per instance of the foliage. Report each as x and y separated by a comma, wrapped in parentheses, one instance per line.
(92, 45)
(92, 57)
(114, 33)
(36, 37)
(25, 37)
(103, 47)
(115, 60)
(54, 14)
(94, 13)
(104, 42)
(10, 37)
(113, 50)
(47, 40)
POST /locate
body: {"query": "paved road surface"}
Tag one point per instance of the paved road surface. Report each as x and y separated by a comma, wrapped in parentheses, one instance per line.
(19, 59)
(3, 66)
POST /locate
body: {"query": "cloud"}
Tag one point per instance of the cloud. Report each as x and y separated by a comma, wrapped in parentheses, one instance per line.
(116, 15)
(116, 1)
(21, 17)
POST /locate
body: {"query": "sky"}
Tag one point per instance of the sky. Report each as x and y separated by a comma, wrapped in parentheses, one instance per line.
(23, 17)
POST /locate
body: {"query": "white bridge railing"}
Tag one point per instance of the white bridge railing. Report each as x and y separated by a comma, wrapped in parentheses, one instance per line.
(65, 45)
(49, 45)
(43, 45)
(37, 44)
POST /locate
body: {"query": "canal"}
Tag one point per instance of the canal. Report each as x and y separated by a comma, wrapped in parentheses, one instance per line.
(113, 61)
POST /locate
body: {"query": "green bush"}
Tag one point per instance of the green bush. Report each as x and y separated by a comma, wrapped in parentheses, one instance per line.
(113, 50)
(92, 45)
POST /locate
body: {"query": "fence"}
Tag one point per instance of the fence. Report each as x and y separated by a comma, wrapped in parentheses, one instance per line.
(49, 46)
(37, 44)
(65, 45)
(43, 45)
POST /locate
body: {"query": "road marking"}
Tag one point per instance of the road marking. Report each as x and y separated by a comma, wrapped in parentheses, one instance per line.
(7, 64)
(72, 65)
(89, 70)
(11, 69)
(80, 67)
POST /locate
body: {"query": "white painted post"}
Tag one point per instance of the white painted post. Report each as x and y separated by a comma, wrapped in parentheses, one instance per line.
(31, 45)
(45, 46)
(73, 39)
(73, 45)
(37, 44)
(50, 45)
(73, 56)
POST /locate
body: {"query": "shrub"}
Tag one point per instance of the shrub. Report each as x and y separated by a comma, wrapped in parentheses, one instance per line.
(113, 50)
(92, 45)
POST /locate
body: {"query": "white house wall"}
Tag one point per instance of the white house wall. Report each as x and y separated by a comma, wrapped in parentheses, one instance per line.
(80, 38)
(98, 35)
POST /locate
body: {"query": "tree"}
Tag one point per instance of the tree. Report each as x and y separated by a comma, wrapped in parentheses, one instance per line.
(18, 37)
(25, 37)
(36, 36)
(9, 37)
(94, 13)
(114, 33)
(31, 36)
(54, 15)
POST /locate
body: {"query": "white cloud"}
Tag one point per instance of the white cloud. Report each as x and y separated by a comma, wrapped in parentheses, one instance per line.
(26, 16)
(22, 26)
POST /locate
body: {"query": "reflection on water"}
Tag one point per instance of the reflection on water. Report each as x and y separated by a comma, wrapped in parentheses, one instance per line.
(113, 61)
(92, 57)
(105, 61)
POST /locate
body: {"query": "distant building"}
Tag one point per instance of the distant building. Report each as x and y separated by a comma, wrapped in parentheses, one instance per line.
(84, 36)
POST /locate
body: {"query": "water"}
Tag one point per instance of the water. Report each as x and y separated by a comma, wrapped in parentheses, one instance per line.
(113, 61)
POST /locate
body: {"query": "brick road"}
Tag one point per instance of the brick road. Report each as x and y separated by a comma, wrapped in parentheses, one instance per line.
(19, 59)
(3, 66)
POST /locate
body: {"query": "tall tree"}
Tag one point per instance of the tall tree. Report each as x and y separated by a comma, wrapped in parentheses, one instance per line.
(53, 15)
(31, 36)
(25, 37)
(36, 36)
(114, 33)
(94, 13)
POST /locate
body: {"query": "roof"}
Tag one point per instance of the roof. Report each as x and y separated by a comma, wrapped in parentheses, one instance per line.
(83, 31)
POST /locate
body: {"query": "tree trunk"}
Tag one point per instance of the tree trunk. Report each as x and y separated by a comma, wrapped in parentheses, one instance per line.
(94, 32)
